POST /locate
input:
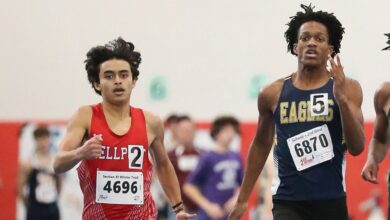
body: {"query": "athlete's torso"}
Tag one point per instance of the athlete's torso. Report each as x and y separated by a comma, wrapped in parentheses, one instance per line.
(308, 126)
(117, 184)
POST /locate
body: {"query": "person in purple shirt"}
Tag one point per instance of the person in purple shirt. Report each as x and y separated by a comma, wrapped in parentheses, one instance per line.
(214, 183)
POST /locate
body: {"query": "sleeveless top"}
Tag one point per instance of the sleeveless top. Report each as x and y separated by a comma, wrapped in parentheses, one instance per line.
(42, 184)
(117, 184)
(309, 153)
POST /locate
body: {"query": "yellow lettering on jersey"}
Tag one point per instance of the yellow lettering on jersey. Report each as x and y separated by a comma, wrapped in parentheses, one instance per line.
(301, 113)
(293, 113)
(320, 118)
(302, 109)
(283, 113)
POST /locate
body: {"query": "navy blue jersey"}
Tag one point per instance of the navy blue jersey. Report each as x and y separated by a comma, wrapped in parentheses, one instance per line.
(309, 153)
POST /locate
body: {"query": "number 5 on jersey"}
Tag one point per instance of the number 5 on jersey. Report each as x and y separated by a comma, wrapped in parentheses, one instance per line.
(136, 156)
(319, 104)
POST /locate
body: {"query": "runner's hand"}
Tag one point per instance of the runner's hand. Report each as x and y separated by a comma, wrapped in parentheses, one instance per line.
(370, 171)
(91, 149)
(337, 71)
(238, 211)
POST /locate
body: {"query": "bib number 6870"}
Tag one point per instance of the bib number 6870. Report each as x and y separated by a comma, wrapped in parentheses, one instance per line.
(306, 147)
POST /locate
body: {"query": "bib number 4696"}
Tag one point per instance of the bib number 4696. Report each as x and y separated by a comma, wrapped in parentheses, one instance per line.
(120, 187)
(116, 187)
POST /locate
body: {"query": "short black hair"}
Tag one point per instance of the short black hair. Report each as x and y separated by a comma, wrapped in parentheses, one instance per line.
(172, 118)
(115, 49)
(332, 24)
(221, 122)
(41, 131)
(181, 118)
(388, 42)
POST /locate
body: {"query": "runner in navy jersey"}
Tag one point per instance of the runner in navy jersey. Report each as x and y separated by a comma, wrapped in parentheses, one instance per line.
(316, 116)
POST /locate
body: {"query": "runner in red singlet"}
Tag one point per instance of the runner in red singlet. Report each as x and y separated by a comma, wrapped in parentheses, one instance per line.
(112, 140)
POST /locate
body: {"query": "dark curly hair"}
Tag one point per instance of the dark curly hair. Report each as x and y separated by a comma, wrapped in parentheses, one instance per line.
(332, 24)
(221, 122)
(116, 49)
(388, 42)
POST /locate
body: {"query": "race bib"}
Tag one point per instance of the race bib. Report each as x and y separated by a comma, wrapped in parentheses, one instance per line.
(125, 188)
(311, 147)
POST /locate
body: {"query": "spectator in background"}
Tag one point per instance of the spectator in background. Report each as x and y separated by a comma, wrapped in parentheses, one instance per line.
(38, 186)
(171, 132)
(184, 156)
(156, 189)
(214, 184)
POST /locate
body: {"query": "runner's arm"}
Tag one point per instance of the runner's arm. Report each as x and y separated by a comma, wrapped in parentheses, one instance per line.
(68, 154)
(258, 151)
(352, 118)
(163, 167)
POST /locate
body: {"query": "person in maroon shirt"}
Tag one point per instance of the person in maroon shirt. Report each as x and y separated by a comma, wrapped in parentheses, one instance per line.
(184, 156)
